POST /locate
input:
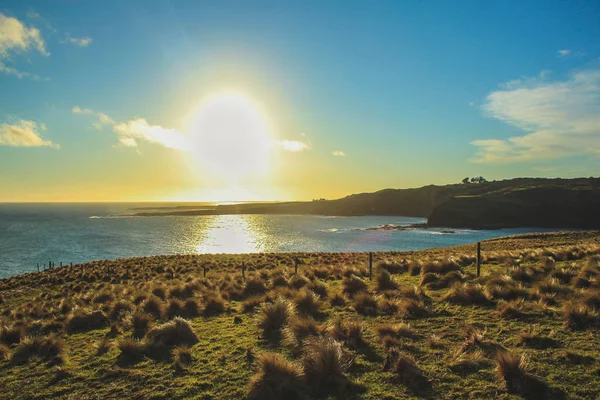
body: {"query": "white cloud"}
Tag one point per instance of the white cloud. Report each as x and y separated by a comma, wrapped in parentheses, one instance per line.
(338, 153)
(293, 145)
(138, 129)
(80, 42)
(103, 118)
(16, 37)
(130, 131)
(564, 52)
(560, 118)
(24, 134)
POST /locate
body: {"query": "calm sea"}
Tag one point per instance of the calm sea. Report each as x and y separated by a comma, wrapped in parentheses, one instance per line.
(38, 233)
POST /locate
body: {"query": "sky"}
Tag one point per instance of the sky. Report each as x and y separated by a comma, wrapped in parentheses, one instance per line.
(294, 100)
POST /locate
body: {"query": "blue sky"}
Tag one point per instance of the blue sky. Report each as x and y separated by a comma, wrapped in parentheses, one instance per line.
(404, 93)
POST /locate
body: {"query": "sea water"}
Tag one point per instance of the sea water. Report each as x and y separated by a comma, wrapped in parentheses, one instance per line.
(32, 234)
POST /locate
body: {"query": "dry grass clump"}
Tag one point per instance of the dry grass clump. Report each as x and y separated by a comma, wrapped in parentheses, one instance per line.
(551, 286)
(508, 290)
(511, 309)
(337, 300)
(350, 332)
(307, 302)
(154, 306)
(319, 288)
(298, 281)
(131, 349)
(406, 371)
(276, 378)
(182, 357)
(272, 317)
(591, 299)
(173, 333)
(394, 267)
(254, 286)
(49, 348)
(365, 304)
(80, 320)
(213, 305)
(140, 322)
(466, 362)
(252, 303)
(466, 294)
(384, 281)
(324, 361)
(352, 285)
(11, 335)
(299, 329)
(512, 369)
(579, 317)
(415, 293)
(532, 337)
(119, 310)
(429, 279)
(396, 331)
(410, 308)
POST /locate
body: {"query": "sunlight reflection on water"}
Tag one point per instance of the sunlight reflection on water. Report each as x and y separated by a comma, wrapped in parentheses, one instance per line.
(231, 234)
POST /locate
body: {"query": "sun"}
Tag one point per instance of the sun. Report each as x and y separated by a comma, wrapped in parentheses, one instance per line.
(230, 138)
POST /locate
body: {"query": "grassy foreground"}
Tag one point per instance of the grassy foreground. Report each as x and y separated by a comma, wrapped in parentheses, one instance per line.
(424, 326)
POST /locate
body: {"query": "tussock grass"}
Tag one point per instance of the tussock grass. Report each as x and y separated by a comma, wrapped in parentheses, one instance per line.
(277, 378)
(173, 333)
(324, 361)
(466, 294)
(84, 321)
(353, 285)
(463, 362)
(273, 317)
(330, 303)
(307, 302)
(299, 329)
(48, 348)
(579, 317)
(384, 281)
(350, 332)
(364, 303)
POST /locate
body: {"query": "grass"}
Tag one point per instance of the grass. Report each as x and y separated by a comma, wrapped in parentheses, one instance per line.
(423, 327)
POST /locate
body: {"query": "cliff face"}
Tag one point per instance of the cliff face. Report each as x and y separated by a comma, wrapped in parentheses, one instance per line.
(551, 207)
(520, 202)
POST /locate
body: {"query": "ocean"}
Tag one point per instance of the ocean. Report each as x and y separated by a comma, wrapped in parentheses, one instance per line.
(32, 234)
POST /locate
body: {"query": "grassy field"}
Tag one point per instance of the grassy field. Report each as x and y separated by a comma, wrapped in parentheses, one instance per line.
(424, 325)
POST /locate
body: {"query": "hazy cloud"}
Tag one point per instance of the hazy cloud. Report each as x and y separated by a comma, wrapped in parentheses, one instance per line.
(103, 118)
(560, 118)
(564, 52)
(338, 153)
(16, 37)
(80, 42)
(293, 145)
(24, 134)
(135, 129)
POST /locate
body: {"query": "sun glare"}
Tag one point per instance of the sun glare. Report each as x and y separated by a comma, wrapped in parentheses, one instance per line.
(230, 138)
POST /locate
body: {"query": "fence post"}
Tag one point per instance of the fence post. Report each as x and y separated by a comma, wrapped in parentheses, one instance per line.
(61, 263)
(38, 267)
(478, 258)
(204, 270)
(71, 265)
(370, 265)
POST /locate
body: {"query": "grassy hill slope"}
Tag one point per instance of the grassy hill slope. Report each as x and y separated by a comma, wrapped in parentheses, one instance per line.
(424, 326)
